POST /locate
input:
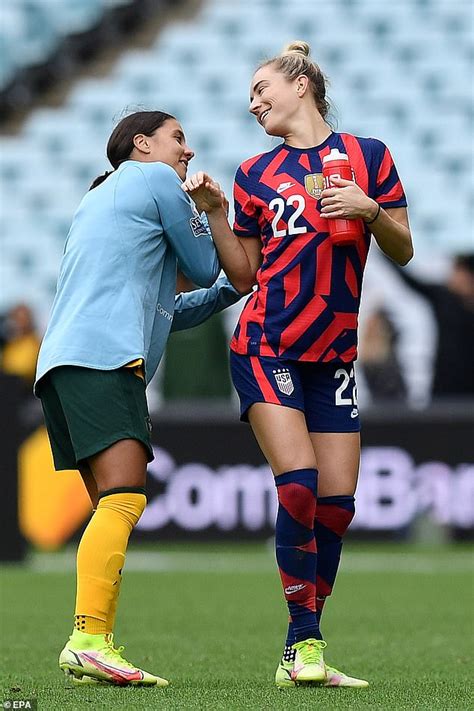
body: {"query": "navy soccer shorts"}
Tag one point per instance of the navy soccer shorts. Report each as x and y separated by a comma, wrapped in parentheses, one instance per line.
(324, 392)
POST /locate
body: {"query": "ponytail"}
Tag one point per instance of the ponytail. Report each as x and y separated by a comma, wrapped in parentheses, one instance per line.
(100, 179)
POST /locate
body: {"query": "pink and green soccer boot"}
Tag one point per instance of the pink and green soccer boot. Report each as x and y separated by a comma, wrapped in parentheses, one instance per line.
(92, 658)
(334, 678)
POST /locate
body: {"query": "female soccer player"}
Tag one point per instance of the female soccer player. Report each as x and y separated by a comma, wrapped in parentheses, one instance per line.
(293, 351)
(113, 310)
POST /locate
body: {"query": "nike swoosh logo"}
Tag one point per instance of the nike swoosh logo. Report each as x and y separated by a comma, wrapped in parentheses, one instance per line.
(296, 671)
(294, 588)
(284, 186)
(117, 674)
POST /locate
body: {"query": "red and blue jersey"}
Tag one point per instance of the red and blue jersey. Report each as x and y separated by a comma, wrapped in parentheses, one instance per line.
(308, 291)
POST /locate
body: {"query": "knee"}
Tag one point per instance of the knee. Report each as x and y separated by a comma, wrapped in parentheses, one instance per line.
(292, 462)
(297, 494)
(127, 504)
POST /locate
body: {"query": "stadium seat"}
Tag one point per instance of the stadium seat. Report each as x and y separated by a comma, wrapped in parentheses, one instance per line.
(401, 76)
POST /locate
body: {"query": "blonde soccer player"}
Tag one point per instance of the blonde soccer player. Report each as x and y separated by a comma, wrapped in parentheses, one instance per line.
(294, 347)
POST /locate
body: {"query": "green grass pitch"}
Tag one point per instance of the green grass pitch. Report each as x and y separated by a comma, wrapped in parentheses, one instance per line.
(212, 620)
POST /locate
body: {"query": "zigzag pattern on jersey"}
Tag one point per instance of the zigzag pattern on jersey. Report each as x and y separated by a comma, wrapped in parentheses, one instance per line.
(308, 295)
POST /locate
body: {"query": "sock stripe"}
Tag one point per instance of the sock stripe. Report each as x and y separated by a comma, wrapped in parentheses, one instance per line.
(333, 520)
(291, 530)
(332, 532)
(296, 569)
(123, 490)
(305, 477)
(323, 587)
(343, 502)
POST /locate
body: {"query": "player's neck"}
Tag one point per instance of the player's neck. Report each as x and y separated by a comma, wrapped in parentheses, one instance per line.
(308, 131)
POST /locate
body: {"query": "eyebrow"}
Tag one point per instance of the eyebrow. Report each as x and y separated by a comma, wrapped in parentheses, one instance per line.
(256, 87)
(179, 133)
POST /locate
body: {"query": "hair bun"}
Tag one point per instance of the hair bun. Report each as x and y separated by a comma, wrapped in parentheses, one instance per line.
(297, 47)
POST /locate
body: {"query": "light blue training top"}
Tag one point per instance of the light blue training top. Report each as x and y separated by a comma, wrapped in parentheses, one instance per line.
(115, 298)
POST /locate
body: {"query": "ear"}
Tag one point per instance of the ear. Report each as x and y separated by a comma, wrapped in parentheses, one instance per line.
(140, 141)
(302, 83)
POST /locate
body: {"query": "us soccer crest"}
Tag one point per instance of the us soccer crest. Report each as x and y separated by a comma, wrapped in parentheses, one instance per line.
(314, 184)
(284, 381)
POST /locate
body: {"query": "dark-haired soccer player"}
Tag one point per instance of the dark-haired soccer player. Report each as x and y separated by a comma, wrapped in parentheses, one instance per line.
(294, 347)
(114, 307)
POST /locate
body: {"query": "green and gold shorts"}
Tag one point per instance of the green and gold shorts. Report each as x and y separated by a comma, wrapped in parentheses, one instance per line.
(87, 410)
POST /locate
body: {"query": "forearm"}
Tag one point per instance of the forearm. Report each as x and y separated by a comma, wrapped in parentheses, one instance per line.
(232, 255)
(194, 307)
(390, 227)
(393, 237)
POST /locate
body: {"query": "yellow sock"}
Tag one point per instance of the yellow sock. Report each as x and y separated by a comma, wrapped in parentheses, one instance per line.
(101, 556)
(109, 627)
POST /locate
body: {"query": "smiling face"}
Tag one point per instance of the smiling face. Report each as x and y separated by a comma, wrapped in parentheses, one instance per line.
(274, 100)
(167, 145)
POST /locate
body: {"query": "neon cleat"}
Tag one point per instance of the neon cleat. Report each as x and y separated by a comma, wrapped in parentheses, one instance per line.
(94, 657)
(334, 677)
(283, 678)
(309, 663)
(87, 681)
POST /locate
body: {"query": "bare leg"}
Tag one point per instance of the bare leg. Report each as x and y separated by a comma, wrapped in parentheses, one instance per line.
(122, 464)
(89, 483)
(283, 437)
(337, 459)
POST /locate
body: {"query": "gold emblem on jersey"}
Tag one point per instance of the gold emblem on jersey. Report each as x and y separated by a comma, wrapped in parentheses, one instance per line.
(314, 184)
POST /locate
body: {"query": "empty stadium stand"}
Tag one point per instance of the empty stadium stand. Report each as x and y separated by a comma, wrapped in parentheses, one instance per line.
(400, 71)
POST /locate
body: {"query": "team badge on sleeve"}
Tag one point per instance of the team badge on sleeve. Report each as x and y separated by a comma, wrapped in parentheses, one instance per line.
(284, 381)
(198, 228)
(314, 184)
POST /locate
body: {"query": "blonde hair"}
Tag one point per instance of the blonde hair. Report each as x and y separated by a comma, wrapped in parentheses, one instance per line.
(294, 61)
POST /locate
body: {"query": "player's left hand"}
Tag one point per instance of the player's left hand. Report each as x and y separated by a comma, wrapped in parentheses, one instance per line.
(346, 200)
(205, 192)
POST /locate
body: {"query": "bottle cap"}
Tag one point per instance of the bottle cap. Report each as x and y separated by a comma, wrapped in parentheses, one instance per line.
(335, 154)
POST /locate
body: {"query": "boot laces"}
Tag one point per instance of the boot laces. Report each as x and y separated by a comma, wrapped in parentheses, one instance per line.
(116, 652)
(310, 650)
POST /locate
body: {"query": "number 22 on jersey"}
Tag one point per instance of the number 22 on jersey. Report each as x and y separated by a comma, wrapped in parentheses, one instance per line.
(278, 205)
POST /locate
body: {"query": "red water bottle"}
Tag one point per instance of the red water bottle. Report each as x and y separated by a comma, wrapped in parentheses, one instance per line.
(341, 231)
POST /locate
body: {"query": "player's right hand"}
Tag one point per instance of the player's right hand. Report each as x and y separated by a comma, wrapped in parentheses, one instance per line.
(205, 192)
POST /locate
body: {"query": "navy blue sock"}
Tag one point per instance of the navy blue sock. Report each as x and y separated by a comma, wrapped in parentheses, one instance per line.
(333, 516)
(296, 548)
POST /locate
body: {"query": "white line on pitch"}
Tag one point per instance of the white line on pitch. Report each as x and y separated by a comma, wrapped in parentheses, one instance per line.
(353, 562)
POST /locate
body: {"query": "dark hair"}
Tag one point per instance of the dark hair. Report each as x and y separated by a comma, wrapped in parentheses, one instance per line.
(465, 261)
(120, 144)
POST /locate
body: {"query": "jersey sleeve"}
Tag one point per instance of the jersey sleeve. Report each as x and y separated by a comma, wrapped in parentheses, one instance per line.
(388, 187)
(195, 307)
(246, 213)
(184, 230)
